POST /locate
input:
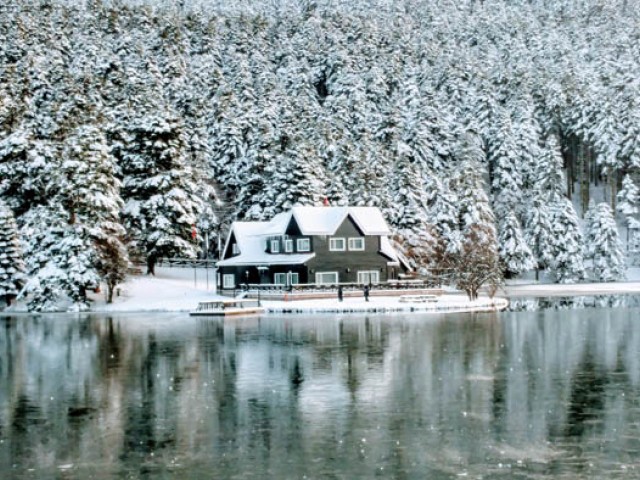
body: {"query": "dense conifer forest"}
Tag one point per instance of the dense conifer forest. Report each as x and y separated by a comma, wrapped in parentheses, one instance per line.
(469, 123)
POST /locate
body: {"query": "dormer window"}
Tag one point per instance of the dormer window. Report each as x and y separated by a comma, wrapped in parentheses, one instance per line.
(275, 246)
(288, 246)
(234, 249)
(303, 244)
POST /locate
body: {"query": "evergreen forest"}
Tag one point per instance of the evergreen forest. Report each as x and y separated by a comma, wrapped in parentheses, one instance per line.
(135, 131)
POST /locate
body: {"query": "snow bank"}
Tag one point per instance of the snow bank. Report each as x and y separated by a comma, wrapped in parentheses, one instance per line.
(445, 303)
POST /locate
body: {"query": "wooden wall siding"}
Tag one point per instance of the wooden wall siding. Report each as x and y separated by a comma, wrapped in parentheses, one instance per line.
(293, 229)
(256, 277)
(328, 261)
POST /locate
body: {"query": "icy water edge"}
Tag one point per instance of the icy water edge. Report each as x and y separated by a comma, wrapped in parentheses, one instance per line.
(544, 394)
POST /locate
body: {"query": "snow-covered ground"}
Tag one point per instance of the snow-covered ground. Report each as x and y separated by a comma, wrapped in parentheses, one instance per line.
(178, 289)
(175, 289)
(528, 287)
(170, 290)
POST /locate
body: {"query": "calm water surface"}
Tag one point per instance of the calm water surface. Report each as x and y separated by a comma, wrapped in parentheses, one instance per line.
(521, 395)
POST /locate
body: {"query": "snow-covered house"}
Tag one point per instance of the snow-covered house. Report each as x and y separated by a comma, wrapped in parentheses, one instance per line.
(317, 245)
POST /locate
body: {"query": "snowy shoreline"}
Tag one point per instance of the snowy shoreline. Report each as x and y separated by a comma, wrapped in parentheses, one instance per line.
(180, 290)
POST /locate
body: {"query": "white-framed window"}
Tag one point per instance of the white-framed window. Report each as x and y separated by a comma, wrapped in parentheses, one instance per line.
(228, 280)
(303, 245)
(288, 246)
(337, 244)
(356, 244)
(326, 278)
(234, 249)
(290, 278)
(275, 246)
(368, 277)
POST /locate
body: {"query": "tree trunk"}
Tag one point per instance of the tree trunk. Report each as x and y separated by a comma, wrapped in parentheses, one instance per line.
(613, 178)
(110, 289)
(584, 180)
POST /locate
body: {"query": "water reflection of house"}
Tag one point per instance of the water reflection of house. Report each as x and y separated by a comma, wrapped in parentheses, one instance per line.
(320, 245)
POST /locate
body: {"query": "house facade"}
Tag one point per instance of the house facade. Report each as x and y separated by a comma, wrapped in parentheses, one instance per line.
(311, 245)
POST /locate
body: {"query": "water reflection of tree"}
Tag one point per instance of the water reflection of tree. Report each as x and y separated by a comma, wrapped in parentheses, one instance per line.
(429, 395)
(586, 402)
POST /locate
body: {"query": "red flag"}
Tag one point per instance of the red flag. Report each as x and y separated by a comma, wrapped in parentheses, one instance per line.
(194, 232)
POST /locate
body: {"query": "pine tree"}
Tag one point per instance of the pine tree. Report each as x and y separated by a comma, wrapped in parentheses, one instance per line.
(90, 192)
(409, 218)
(507, 183)
(159, 190)
(473, 201)
(515, 255)
(61, 260)
(602, 245)
(566, 242)
(538, 230)
(628, 198)
(444, 213)
(11, 263)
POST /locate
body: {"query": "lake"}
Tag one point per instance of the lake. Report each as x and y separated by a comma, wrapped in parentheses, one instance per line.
(516, 395)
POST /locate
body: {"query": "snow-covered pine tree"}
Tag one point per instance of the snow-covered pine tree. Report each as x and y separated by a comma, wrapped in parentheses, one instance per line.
(159, 190)
(602, 245)
(587, 221)
(76, 239)
(26, 163)
(538, 230)
(61, 260)
(566, 242)
(444, 213)
(296, 175)
(90, 192)
(11, 263)
(409, 217)
(296, 179)
(507, 182)
(515, 255)
(373, 170)
(468, 183)
(546, 174)
(628, 199)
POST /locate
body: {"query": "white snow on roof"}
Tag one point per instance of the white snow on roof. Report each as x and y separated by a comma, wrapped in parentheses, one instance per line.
(277, 225)
(370, 220)
(387, 249)
(326, 220)
(252, 242)
(319, 220)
